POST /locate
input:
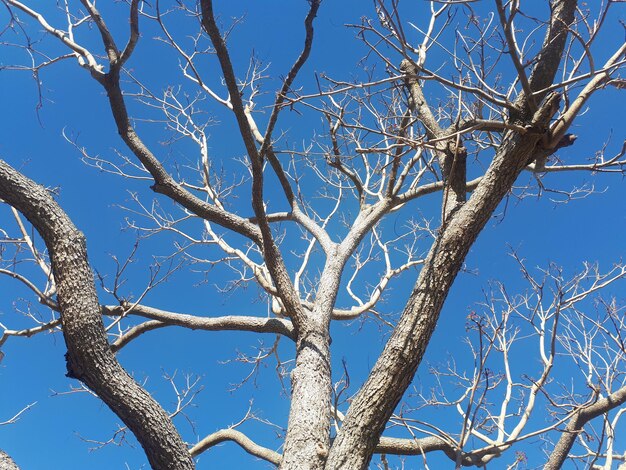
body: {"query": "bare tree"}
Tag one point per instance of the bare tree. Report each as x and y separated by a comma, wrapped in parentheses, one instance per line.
(490, 101)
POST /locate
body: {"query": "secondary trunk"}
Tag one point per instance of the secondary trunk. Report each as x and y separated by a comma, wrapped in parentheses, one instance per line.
(396, 367)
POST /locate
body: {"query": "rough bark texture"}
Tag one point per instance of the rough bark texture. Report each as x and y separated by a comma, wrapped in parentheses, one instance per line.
(308, 436)
(396, 367)
(576, 424)
(307, 443)
(398, 363)
(163, 181)
(450, 153)
(6, 462)
(307, 440)
(89, 357)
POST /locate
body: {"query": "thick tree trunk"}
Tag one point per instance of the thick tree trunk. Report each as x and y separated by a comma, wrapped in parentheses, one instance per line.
(89, 357)
(307, 440)
(450, 153)
(308, 435)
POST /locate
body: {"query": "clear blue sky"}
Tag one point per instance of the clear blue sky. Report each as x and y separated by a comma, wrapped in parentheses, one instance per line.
(52, 435)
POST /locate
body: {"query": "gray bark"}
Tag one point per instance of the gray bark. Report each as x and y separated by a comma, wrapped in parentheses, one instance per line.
(450, 153)
(89, 357)
(308, 436)
(396, 367)
(393, 372)
(576, 424)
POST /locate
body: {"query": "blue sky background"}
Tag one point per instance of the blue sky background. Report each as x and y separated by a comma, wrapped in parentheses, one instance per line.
(52, 435)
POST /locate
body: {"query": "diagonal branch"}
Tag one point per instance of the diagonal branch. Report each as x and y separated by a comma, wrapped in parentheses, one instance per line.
(164, 183)
(577, 422)
(111, 48)
(393, 372)
(293, 72)
(272, 255)
(450, 153)
(549, 58)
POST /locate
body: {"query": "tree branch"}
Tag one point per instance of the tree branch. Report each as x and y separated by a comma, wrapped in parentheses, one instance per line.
(240, 438)
(224, 323)
(576, 424)
(6, 462)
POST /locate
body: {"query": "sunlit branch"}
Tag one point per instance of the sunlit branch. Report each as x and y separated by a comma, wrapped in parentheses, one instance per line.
(50, 289)
(194, 322)
(85, 58)
(18, 415)
(239, 438)
(28, 332)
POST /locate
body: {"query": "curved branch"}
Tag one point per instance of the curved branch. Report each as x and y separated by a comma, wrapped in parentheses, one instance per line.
(240, 438)
(134, 33)
(89, 358)
(28, 332)
(229, 322)
(399, 446)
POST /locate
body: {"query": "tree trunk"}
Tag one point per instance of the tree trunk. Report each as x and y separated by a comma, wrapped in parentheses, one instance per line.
(307, 440)
(398, 363)
(308, 436)
(89, 357)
